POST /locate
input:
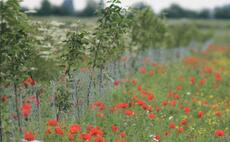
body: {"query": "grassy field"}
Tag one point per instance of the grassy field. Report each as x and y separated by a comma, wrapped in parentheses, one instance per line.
(219, 28)
(185, 100)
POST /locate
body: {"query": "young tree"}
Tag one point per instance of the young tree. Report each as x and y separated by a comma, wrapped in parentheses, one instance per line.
(76, 50)
(108, 43)
(147, 31)
(16, 46)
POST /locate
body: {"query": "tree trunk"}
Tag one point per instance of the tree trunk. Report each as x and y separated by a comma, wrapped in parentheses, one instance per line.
(101, 81)
(89, 87)
(17, 107)
(1, 129)
(58, 114)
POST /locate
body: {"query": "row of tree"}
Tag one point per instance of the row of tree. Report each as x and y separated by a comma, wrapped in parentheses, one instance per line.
(67, 9)
(176, 11)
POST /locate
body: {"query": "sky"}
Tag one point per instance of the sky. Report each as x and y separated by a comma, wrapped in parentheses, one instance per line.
(157, 5)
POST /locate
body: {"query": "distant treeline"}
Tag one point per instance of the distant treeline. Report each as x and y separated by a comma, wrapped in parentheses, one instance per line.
(174, 11)
(67, 9)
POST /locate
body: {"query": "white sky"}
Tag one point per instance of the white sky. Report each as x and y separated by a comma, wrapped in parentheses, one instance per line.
(156, 4)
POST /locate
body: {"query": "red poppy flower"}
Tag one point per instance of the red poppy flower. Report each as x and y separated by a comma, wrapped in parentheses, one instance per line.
(158, 108)
(129, 112)
(95, 131)
(219, 133)
(58, 131)
(139, 88)
(99, 139)
(183, 122)
(151, 73)
(29, 81)
(187, 110)
(179, 87)
(85, 136)
(151, 97)
(218, 77)
(26, 108)
(75, 128)
(140, 102)
(164, 103)
(98, 104)
(200, 114)
(116, 82)
(114, 128)
(202, 81)
(192, 80)
(122, 134)
(156, 138)
(173, 103)
(142, 70)
(122, 105)
(29, 136)
(71, 136)
(176, 96)
(191, 60)
(180, 130)
(147, 107)
(207, 70)
(151, 116)
(172, 125)
(134, 82)
(52, 122)
(120, 141)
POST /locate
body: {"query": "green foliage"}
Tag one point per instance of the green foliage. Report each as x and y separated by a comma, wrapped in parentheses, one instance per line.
(222, 12)
(107, 40)
(205, 14)
(16, 41)
(147, 29)
(47, 9)
(183, 34)
(43, 70)
(175, 11)
(4, 117)
(16, 44)
(76, 49)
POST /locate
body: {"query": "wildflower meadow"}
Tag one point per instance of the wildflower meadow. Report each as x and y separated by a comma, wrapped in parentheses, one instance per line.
(128, 76)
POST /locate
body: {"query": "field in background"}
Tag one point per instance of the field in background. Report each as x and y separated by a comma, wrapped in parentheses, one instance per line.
(219, 28)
